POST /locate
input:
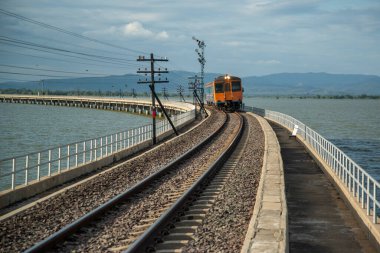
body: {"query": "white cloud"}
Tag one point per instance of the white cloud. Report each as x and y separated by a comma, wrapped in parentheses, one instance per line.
(162, 35)
(136, 29)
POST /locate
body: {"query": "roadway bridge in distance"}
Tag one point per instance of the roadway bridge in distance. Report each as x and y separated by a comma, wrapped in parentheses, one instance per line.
(307, 196)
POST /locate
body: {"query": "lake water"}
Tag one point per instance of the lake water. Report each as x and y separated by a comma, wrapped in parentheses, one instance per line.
(353, 125)
(28, 128)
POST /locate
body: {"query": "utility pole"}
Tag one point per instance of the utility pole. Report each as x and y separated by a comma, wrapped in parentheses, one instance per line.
(193, 80)
(202, 61)
(42, 85)
(164, 94)
(151, 83)
(180, 91)
(194, 87)
(134, 93)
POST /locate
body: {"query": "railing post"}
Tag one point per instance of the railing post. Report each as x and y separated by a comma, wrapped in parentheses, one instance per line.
(59, 160)
(91, 150)
(68, 157)
(128, 138)
(362, 190)
(124, 134)
(374, 218)
(38, 166)
(368, 195)
(76, 154)
(101, 146)
(106, 145)
(111, 144)
(348, 168)
(13, 173)
(116, 140)
(49, 164)
(26, 169)
(357, 184)
(95, 149)
(84, 152)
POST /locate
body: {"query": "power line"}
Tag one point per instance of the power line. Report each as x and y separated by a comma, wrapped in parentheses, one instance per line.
(22, 42)
(27, 74)
(50, 70)
(66, 31)
(38, 36)
(62, 60)
(72, 56)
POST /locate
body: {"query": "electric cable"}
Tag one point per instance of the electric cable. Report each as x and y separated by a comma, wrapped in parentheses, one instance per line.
(66, 31)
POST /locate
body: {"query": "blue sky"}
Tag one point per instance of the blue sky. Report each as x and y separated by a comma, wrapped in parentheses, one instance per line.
(242, 37)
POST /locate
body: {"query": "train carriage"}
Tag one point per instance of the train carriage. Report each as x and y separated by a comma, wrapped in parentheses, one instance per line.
(225, 92)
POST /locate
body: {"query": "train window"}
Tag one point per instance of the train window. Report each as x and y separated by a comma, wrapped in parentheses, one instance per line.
(227, 87)
(219, 88)
(236, 86)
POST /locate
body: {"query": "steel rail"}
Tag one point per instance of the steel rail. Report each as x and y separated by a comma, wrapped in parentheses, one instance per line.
(69, 229)
(152, 235)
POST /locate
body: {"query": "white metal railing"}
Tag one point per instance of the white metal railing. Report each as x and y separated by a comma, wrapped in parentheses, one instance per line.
(362, 186)
(22, 170)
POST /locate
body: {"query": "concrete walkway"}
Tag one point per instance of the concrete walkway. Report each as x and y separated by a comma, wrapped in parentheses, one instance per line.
(318, 220)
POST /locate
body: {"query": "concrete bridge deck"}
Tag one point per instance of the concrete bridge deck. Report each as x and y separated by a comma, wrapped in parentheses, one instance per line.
(318, 219)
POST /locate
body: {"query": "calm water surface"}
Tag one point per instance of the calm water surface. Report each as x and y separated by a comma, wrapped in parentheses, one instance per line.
(28, 128)
(351, 124)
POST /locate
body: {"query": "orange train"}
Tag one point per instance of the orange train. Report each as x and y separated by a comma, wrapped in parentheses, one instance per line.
(225, 92)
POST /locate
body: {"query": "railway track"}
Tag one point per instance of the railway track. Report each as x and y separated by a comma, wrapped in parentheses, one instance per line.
(176, 227)
(161, 196)
(199, 226)
(24, 227)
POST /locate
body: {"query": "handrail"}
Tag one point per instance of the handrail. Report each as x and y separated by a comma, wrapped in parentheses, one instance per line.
(22, 170)
(361, 185)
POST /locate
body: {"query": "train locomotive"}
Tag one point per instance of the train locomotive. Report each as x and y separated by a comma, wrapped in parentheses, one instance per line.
(225, 92)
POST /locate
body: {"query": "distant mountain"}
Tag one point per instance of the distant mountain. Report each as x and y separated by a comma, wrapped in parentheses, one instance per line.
(110, 83)
(312, 83)
(274, 84)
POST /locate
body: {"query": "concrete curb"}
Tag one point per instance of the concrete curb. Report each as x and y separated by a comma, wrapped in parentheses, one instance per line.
(268, 228)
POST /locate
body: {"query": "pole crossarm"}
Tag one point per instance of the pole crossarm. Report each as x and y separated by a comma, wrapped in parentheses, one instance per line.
(151, 83)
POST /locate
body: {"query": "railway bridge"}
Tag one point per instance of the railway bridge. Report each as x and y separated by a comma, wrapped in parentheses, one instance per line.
(259, 181)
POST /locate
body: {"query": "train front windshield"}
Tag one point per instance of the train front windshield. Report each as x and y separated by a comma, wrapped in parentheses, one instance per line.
(219, 88)
(236, 86)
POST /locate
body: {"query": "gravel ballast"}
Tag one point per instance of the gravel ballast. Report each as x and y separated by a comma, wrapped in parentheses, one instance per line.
(115, 229)
(24, 229)
(226, 224)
